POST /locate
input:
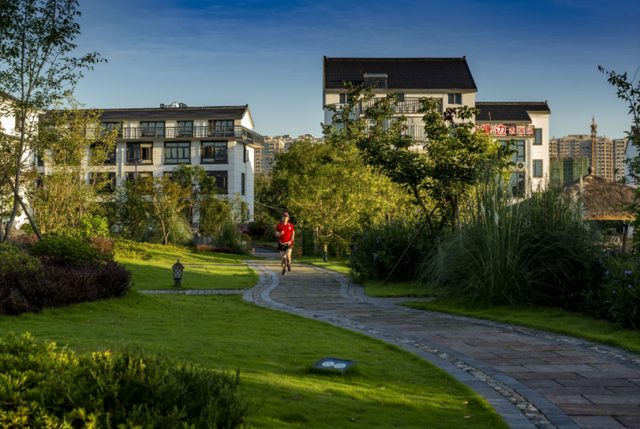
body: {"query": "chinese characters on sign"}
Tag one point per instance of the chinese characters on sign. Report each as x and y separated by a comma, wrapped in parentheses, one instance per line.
(507, 130)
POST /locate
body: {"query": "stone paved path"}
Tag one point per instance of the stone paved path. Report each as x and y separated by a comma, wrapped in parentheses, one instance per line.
(533, 379)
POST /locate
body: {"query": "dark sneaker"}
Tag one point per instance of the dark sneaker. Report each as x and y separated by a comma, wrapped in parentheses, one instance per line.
(284, 272)
(289, 268)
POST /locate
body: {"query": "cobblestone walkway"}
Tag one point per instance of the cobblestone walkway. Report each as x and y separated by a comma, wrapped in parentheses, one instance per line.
(532, 378)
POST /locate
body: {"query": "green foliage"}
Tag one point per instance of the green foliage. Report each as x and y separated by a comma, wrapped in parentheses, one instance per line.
(94, 225)
(39, 384)
(131, 250)
(537, 252)
(380, 246)
(332, 191)
(213, 214)
(617, 296)
(229, 236)
(16, 264)
(131, 219)
(66, 250)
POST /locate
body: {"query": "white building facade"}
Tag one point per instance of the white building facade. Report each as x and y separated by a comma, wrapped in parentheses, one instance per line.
(154, 141)
(449, 80)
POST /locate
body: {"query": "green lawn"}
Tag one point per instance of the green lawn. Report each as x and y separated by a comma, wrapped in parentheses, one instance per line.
(549, 319)
(375, 288)
(199, 273)
(339, 266)
(273, 350)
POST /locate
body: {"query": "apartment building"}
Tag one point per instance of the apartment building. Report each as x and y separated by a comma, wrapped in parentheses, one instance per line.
(154, 141)
(266, 155)
(449, 80)
(610, 153)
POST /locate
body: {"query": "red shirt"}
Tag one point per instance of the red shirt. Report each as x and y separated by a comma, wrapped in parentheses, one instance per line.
(287, 231)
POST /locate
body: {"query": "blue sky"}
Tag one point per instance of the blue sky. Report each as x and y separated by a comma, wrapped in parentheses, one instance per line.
(268, 54)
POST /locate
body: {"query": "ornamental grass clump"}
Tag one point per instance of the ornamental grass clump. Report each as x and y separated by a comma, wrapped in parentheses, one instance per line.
(43, 387)
(538, 251)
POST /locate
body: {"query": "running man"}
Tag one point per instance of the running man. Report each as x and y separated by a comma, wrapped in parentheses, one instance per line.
(286, 233)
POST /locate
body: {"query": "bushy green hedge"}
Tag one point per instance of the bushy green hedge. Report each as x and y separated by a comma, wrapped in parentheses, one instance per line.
(379, 248)
(66, 250)
(43, 388)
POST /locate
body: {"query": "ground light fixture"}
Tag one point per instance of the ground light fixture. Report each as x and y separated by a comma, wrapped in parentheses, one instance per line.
(178, 268)
(330, 364)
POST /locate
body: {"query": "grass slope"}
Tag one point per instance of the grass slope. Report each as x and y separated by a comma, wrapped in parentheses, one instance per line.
(201, 271)
(391, 388)
(571, 323)
(338, 266)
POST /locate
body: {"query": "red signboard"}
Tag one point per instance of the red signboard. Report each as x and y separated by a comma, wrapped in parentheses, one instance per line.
(500, 130)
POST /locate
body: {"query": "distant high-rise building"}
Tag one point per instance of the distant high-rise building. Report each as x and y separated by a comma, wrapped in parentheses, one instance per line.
(273, 145)
(610, 154)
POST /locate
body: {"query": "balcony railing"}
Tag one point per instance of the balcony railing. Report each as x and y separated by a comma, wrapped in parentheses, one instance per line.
(416, 131)
(237, 132)
(407, 106)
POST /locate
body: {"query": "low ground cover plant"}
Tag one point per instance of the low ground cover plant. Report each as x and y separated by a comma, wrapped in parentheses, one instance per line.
(40, 384)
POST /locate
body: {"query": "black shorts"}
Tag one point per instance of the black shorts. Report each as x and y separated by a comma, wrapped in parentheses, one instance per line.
(284, 247)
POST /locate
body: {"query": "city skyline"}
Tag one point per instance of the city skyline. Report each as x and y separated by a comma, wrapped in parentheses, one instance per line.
(269, 54)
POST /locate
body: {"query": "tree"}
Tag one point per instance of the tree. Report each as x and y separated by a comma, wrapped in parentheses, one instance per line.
(330, 189)
(74, 146)
(438, 172)
(166, 199)
(36, 37)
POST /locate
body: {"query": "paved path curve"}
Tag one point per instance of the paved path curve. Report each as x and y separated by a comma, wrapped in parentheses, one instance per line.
(532, 378)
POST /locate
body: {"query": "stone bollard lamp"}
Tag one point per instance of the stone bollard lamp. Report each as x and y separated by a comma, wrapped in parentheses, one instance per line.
(178, 268)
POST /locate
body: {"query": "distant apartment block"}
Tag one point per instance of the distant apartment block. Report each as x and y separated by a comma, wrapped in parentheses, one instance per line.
(450, 81)
(265, 156)
(570, 169)
(610, 154)
(153, 141)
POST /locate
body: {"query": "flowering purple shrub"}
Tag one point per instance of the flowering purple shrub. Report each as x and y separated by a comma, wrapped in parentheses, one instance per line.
(378, 247)
(617, 296)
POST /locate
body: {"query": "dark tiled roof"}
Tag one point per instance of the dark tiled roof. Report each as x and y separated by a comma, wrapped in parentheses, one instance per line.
(403, 73)
(509, 111)
(223, 112)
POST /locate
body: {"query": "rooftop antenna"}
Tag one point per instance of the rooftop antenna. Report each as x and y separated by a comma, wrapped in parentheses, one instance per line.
(594, 133)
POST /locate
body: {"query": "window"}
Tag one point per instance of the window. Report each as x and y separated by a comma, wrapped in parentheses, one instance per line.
(185, 129)
(107, 127)
(537, 168)
(214, 152)
(242, 182)
(131, 175)
(109, 157)
(246, 154)
(538, 136)
(141, 153)
(221, 128)
(343, 98)
(221, 179)
(152, 129)
(516, 185)
(400, 97)
(177, 153)
(38, 159)
(455, 98)
(519, 156)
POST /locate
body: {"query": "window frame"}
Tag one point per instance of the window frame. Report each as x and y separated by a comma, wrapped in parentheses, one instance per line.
(516, 184)
(176, 146)
(533, 168)
(516, 155)
(130, 175)
(154, 134)
(245, 155)
(537, 137)
(454, 98)
(221, 128)
(242, 184)
(145, 161)
(183, 130)
(106, 127)
(213, 159)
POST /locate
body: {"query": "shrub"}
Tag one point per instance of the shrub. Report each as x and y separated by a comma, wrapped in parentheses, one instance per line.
(94, 226)
(617, 296)
(230, 237)
(22, 284)
(379, 247)
(65, 250)
(130, 250)
(104, 245)
(207, 248)
(112, 390)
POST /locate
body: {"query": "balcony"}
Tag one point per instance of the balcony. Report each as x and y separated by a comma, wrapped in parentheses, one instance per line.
(411, 106)
(236, 132)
